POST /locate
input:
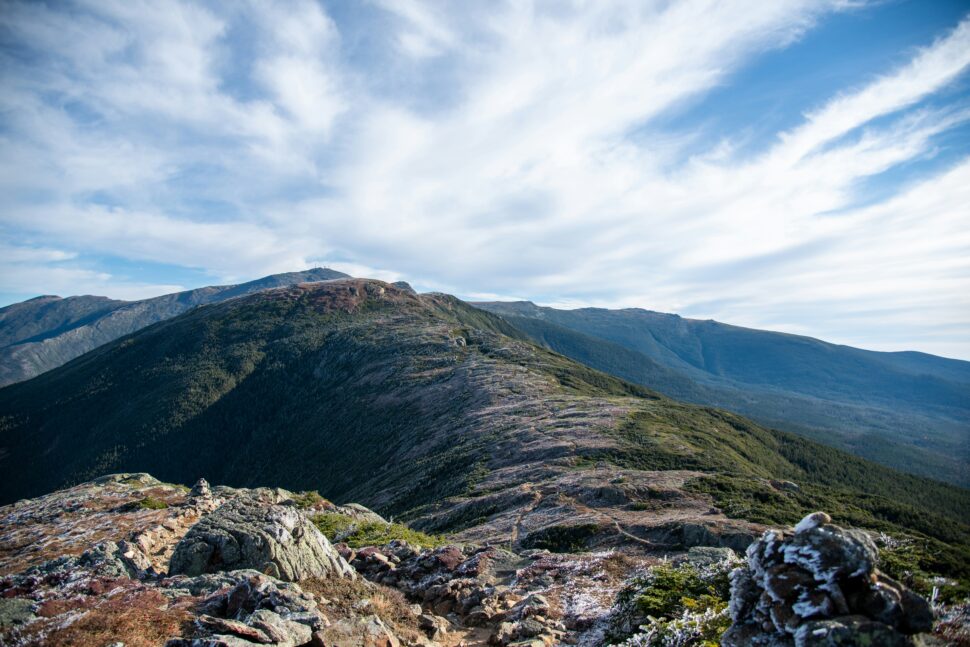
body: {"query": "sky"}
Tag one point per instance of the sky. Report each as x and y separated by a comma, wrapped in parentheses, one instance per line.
(791, 165)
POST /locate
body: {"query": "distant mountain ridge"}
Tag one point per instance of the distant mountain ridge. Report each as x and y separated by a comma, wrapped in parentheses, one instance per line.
(45, 332)
(909, 410)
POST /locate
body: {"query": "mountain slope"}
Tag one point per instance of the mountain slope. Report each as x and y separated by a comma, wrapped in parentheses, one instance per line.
(43, 333)
(906, 410)
(424, 407)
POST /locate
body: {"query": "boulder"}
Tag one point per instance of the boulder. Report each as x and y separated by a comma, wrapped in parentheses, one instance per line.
(368, 631)
(273, 539)
(254, 608)
(818, 586)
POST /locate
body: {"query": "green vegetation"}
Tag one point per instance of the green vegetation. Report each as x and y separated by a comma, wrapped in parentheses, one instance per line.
(370, 399)
(929, 543)
(667, 590)
(357, 534)
(308, 499)
(674, 605)
(152, 503)
(563, 539)
(864, 402)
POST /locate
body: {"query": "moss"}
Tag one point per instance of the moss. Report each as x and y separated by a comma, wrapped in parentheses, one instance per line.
(152, 503)
(357, 534)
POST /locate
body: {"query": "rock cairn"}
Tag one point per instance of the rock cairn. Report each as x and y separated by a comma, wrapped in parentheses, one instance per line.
(819, 586)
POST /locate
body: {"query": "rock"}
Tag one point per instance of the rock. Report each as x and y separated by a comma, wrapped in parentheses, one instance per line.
(234, 627)
(200, 489)
(811, 521)
(529, 628)
(15, 611)
(849, 631)
(364, 632)
(274, 539)
(433, 626)
(282, 631)
(503, 634)
(360, 513)
(256, 609)
(532, 605)
(707, 555)
(818, 587)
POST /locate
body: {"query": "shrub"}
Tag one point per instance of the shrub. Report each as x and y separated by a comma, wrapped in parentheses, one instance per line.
(673, 606)
(309, 499)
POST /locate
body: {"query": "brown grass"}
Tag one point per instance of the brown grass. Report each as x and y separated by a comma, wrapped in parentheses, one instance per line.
(388, 604)
(134, 618)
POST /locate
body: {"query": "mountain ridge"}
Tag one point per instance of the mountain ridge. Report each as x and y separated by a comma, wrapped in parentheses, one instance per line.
(444, 415)
(904, 409)
(45, 332)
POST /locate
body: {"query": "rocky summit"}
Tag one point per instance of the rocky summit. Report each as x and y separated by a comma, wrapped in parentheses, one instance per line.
(127, 559)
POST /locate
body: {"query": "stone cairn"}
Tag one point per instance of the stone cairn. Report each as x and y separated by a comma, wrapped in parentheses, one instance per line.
(819, 586)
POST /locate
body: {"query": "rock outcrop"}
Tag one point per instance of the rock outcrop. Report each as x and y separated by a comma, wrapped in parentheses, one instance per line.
(253, 608)
(819, 586)
(246, 534)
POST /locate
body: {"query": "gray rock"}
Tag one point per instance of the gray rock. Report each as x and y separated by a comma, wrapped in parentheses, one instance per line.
(849, 631)
(15, 611)
(369, 631)
(818, 587)
(201, 489)
(273, 539)
(707, 555)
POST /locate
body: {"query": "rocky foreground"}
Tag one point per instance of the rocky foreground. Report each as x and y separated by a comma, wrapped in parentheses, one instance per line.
(126, 559)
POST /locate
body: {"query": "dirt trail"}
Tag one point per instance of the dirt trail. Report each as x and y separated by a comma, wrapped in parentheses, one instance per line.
(536, 500)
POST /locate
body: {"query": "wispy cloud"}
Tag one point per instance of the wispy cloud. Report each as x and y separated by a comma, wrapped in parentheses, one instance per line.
(518, 150)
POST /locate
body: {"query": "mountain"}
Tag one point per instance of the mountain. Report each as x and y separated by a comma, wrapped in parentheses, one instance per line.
(44, 333)
(442, 414)
(907, 410)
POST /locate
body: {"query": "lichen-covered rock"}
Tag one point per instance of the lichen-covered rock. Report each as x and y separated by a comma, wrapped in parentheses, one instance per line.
(256, 608)
(819, 587)
(15, 611)
(369, 631)
(273, 539)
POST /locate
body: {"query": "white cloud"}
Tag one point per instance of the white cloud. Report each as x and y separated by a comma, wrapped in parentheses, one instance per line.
(510, 151)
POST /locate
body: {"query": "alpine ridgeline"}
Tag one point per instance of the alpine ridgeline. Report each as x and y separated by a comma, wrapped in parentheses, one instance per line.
(44, 333)
(512, 465)
(441, 414)
(907, 410)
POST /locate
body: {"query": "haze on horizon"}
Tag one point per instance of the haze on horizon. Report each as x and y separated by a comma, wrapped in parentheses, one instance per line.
(801, 166)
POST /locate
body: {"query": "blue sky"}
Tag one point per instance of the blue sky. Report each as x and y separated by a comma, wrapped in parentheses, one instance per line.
(792, 165)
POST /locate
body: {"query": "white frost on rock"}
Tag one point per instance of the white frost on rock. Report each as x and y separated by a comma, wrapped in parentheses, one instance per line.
(811, 521)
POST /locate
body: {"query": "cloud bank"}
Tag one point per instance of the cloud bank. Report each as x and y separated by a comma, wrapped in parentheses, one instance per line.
(509, 150)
